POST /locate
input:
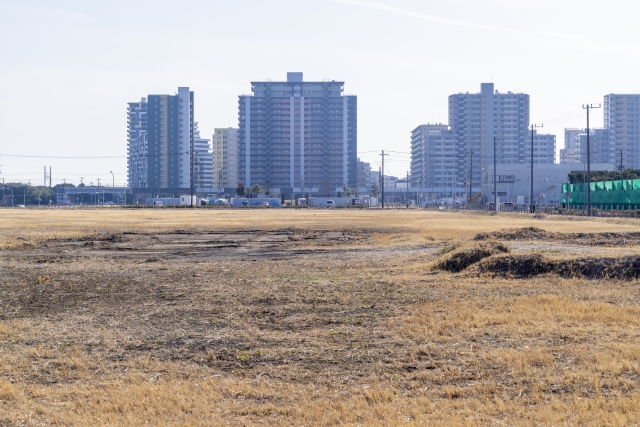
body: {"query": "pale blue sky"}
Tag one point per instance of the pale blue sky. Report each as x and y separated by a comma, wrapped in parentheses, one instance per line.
(69, 68)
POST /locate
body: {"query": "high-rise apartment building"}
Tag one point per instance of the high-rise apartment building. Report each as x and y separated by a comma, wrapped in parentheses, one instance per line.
(434, 155)
(202, 160)
(441, 155)
(569, 154)
(137, 149)
(160, 140)
(300, 136)
(374, 178)
(598, 144)
(364, 171)
(476, 118)
(225, 158)
(622, 119)
(170, 139)
(544, 148)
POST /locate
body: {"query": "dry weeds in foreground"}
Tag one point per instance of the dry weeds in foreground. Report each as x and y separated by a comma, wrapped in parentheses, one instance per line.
(357, 333)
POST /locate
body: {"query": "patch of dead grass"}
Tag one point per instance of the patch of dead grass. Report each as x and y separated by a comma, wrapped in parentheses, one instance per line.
(364, 336)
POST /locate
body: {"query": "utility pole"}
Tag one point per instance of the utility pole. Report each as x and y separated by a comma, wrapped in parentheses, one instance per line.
(406, 193)
(382, 177)
(98, 182)
(452, 188)
(191, 161)
(495, 181)
(470, 177)
(589, 107)
(49, 176)
(531, 189)
(621, 167)
(45, 176)
(113, 187)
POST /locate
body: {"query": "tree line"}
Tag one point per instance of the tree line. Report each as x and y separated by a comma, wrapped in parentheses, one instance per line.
(599, 176)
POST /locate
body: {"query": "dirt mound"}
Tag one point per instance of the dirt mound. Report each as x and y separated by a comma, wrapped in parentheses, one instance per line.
(461, 258)
(523, 266)
(528, 233)
(587, 239)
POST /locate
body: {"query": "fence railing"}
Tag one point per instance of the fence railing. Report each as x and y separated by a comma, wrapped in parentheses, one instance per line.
(607, 211)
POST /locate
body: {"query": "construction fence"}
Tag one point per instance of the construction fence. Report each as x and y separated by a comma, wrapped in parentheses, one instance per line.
(605, 195)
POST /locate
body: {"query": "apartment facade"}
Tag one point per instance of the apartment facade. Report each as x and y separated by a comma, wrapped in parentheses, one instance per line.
(364, 171)
(170, 139)
(458, 152)
(202, 160)
(225, 158)
(300, 136)
(622, 119)
(599, 150)
(569, 154)
(544, 148)
(477, 118)
(160, 138)
(434, 156)
(137, 149)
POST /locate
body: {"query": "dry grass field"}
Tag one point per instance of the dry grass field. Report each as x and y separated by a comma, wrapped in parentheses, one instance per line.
(317, 317)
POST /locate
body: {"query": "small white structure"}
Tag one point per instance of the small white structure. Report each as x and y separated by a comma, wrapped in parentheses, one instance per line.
(186, 200)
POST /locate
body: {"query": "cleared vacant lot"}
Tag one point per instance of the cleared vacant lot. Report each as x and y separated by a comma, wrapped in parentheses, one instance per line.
(317, 317)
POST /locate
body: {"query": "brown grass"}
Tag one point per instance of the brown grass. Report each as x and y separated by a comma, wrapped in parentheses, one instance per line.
(350, 328)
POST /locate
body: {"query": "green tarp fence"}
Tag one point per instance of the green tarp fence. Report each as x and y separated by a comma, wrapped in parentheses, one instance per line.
(622, 192)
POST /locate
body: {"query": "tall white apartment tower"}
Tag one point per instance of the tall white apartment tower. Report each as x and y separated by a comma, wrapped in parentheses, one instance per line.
(622, 119)
(570, 154)
(202, 160)
(434, 157)
(476, 118)
(225, 158)
(454, 155)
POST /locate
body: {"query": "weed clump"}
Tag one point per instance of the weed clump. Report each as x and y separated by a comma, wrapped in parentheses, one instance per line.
(525, 266)
(586, 239)
(526, 233)
(461, 258)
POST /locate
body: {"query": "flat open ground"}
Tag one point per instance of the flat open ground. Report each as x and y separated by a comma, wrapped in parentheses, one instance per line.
(317, 317)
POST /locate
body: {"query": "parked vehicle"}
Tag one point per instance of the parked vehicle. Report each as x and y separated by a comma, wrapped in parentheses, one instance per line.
(331, 204)
(507, 207)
